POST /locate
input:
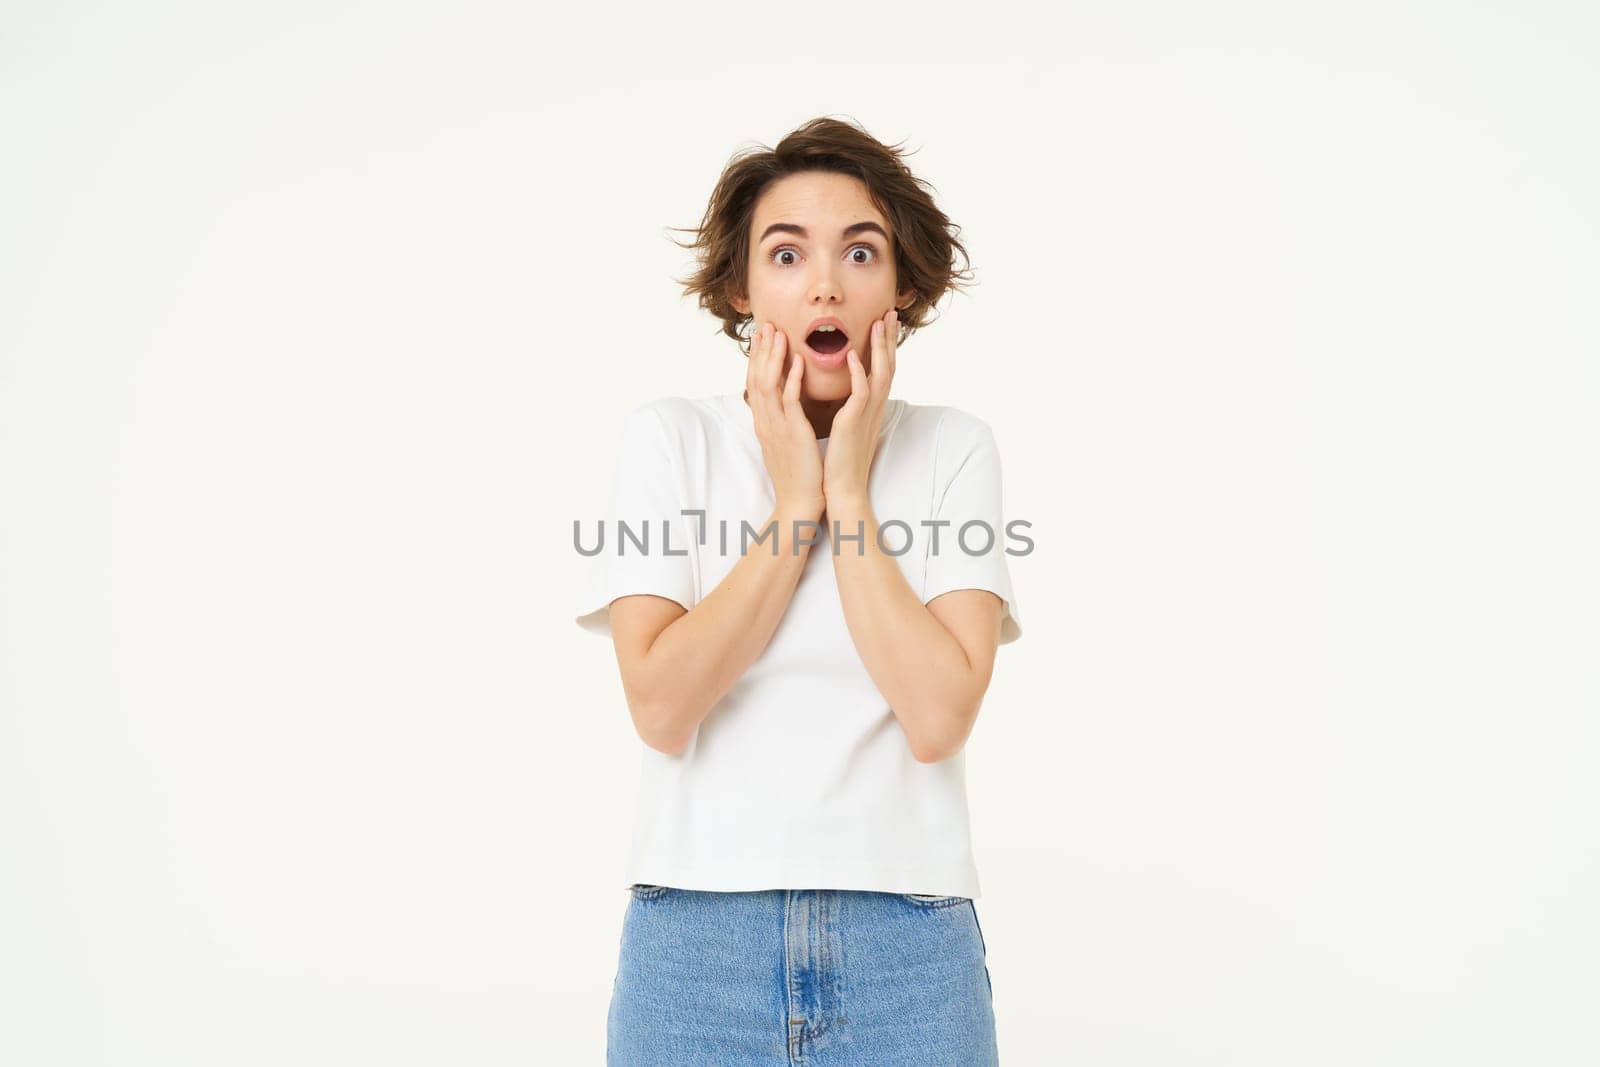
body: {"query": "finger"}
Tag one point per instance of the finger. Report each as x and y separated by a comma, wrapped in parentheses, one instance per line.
(883, 342)
(791, 386)
(879, 355)
(768, 369)
(772, 369)
(892, 337)
(875, 377)
(752, 360)
(762, 401)
(763, 365)
(860, 388)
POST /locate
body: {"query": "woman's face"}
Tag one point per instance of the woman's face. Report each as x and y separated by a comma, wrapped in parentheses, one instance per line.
(818, 248)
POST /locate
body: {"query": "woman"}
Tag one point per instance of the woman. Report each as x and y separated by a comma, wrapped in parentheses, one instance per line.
(805, 644)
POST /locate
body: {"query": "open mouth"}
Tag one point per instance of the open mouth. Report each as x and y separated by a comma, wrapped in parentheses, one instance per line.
(828, 342)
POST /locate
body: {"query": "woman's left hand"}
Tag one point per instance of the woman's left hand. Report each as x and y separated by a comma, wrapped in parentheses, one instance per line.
(853, 439)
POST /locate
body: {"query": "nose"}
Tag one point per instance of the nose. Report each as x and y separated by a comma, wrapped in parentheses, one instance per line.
(823, 287)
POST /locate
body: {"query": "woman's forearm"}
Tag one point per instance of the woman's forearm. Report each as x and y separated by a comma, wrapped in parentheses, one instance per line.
(695, 661)
(917, 664)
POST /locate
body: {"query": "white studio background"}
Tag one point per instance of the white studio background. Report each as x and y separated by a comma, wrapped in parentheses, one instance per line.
(318, 328)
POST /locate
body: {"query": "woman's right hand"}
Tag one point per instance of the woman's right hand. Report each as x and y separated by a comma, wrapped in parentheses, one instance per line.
(788, 441)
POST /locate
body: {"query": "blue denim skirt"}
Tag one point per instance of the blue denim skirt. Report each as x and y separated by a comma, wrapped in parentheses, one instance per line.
(817, 977)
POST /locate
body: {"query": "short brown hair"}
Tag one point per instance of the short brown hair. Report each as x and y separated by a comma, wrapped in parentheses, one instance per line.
(925, 241)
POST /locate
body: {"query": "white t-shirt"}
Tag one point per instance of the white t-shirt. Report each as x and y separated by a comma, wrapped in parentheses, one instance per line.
(800, 777)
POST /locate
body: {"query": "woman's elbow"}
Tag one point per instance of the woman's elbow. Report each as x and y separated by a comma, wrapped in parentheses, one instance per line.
(936, 746)
(939, 750)
(660, 728)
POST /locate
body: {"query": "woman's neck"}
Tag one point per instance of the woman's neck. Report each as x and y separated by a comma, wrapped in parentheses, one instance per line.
(819, 413)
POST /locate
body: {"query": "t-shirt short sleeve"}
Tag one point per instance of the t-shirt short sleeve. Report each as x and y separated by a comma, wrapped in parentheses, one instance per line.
(971, 549)
(645, 500)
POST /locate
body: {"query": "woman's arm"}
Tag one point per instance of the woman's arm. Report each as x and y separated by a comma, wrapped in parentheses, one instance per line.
(931, 662)
(677, 664)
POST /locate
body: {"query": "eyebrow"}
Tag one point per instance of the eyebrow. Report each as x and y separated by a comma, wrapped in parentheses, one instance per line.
(800, 231)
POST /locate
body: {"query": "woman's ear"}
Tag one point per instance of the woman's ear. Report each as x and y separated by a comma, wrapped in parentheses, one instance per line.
(740, 304)
(905, 299)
